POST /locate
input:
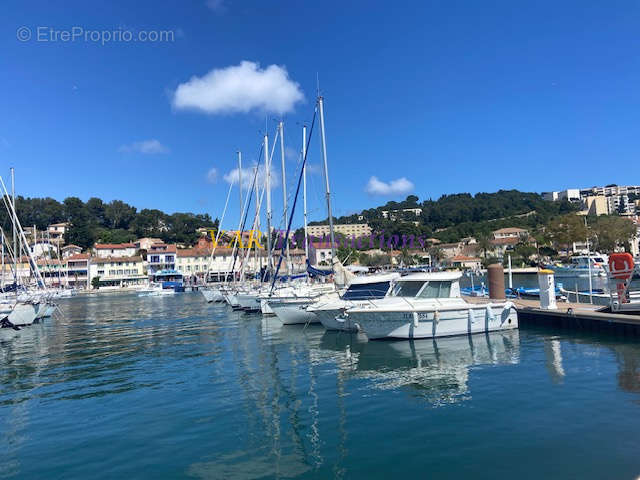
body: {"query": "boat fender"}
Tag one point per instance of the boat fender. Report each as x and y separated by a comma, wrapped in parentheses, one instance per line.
(416, 320)
(489, 316)
(471, 317)
(504, 316)
(436, 317)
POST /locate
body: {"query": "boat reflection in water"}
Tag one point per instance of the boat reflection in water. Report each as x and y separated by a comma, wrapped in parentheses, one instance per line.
(438, 369)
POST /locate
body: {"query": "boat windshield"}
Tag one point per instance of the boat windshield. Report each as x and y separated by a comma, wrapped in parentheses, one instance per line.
(436, 289)
(364, 291)
(409, 288)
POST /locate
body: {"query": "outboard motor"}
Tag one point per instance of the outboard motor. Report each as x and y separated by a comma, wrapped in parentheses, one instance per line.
(5, 323)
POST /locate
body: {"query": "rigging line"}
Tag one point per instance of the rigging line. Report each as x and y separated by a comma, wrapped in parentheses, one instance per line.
(235, 250)
(215, 244)
(293, 209)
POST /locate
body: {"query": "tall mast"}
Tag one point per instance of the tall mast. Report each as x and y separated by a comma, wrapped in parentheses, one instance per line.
(326, 176)
(267, 167)
(2, 281)
(304, 190)
(284, 193)
(13, 227)
(240, 176)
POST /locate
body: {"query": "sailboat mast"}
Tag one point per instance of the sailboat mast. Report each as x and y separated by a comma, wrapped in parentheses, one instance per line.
(304, 190)
(267, 167)
(284, 193)
(240, 176)
(13, 227)
(326, 176)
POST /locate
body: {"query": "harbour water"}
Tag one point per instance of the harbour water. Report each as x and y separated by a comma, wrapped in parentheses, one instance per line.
(171, 387)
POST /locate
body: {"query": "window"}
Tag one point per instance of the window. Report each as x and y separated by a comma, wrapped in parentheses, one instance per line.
(369, 290)
(408, 288)
(100, 272)
(154, 258)
(436, 290)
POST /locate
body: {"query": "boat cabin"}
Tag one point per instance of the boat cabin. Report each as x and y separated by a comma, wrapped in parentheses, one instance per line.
(375, 286)
(428, 285)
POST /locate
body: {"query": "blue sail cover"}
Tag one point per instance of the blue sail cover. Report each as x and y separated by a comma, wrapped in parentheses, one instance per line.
(315, 272)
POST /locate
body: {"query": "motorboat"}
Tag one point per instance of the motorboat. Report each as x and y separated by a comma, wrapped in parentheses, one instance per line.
(428, 305)
(579, 266)
(330, 309)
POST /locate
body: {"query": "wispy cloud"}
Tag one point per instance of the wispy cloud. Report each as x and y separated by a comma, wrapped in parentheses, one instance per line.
(400, 186)
(248, 174)
(147, 147)
(212, 175)
(216, 6)
(240, 89)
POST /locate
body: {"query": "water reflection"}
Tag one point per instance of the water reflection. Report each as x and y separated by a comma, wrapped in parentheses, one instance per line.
(240, 396)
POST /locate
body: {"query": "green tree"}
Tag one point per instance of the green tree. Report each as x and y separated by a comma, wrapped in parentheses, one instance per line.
(610, 231)
(567, 229)
(95, 283)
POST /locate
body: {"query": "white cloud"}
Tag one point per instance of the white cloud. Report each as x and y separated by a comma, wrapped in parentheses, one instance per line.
(147, 147)
(212, 175)
(240, 88)
(247, 177)
(217, 6)
(400, 186)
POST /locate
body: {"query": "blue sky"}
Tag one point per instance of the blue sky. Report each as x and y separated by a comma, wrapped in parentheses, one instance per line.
(428, 97)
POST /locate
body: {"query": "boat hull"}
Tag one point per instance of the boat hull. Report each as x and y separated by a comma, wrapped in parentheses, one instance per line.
(250, 303)
(334, 319)
(212, 295)
(23, 314)
(292, 313)
(426, 324)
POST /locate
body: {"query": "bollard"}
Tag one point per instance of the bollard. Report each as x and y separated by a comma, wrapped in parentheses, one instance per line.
(495, 274)
(547, 290)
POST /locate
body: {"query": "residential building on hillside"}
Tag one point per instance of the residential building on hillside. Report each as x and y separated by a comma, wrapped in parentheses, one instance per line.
(463, 261)
(43, 248)
(510, 232)
(56, 232)
(192, 262)
(348, 229)
(69, 250)
(53, 271)
(118, 272)
(393, 214)
(595, 205)
(146, 242)
(104, 250)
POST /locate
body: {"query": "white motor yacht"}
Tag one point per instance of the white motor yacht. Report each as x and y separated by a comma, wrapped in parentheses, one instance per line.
(428, 305)
(330, 309)
(212, 294)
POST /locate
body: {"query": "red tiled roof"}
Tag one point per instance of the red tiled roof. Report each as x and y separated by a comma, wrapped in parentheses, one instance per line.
(113, 246)
(78, 256)
(117, 259)
(71, 246)
(162, 248)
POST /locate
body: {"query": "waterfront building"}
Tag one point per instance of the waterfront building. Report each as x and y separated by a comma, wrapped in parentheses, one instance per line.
(161, 256)
(462, 261)
(104, 250)
(78, 270)
(118, 272)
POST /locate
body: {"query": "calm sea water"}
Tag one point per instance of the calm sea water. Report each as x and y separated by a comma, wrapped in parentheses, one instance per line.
(128, 387)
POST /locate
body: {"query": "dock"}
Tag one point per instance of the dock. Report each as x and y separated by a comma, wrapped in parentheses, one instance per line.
(571, 315)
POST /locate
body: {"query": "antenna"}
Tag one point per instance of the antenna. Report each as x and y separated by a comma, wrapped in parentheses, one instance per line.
(318, 84)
